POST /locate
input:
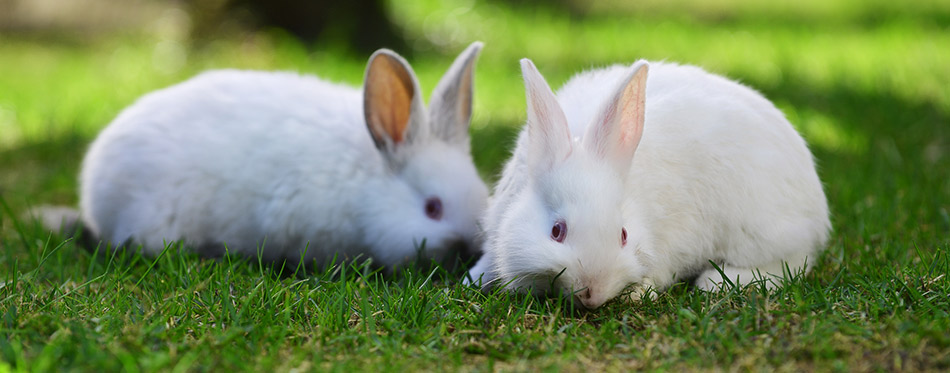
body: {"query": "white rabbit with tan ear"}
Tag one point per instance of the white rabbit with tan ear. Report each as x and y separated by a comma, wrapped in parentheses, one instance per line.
(286, 163)
(629, 177)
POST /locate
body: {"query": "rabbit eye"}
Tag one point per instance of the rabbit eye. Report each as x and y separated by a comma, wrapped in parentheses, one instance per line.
(559, 231)
(623, 237)
(434, 208)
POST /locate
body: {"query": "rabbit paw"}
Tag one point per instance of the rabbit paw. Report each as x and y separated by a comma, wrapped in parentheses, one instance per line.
(646, 288)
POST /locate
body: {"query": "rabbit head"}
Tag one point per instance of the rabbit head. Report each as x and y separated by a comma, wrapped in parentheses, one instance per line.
(566, 232)
(427, 158)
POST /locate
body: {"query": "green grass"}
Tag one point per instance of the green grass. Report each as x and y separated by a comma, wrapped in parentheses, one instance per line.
(866, 82)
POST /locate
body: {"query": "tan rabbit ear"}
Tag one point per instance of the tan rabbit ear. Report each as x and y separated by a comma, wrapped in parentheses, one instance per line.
(615, 133)
(392, 105)
(450, 107)
(549, 138)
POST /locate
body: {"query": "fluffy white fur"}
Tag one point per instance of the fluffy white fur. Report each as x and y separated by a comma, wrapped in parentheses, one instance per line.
(717, 174)
(286, 162)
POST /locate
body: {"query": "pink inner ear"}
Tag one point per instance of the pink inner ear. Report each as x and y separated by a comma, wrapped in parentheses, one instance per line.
(617, 132)
(602, 134)
(632, 113)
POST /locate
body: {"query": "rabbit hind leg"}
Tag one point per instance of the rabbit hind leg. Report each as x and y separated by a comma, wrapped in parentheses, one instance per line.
(771, 273)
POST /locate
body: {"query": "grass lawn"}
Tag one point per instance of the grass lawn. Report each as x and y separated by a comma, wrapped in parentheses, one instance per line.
(866, 82)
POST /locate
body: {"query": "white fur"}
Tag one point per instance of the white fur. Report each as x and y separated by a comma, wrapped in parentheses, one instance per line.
(242, 158)
(719, 175)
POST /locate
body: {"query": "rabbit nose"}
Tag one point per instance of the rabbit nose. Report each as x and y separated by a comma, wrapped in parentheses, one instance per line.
(590, 300)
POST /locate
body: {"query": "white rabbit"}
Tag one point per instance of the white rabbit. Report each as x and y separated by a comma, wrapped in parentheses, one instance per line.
(286, 162)
(627, 180)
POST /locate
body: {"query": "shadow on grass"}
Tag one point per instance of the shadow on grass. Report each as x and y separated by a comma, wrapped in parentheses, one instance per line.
(898, 188)
(42, 172)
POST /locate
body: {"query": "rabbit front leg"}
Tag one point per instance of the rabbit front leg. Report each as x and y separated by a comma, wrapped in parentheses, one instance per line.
(661, 277)
(646, 287)
(481, 274)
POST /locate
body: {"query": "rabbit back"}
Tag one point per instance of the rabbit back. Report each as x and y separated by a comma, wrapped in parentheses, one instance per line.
(232, 156)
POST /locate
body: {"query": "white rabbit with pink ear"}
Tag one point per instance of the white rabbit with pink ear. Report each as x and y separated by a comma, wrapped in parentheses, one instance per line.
(287, 163)
(643, 175)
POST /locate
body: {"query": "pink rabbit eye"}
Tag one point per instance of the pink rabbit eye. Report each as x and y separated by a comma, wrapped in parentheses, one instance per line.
(434, 208)
(623, 236)
(559, 231)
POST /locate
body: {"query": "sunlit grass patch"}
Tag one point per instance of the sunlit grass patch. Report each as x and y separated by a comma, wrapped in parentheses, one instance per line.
(865, 82)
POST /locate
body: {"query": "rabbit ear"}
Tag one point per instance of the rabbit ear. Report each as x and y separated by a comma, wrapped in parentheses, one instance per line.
(549, 138)
(450, 107)
(392, 105)
(616, 131)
